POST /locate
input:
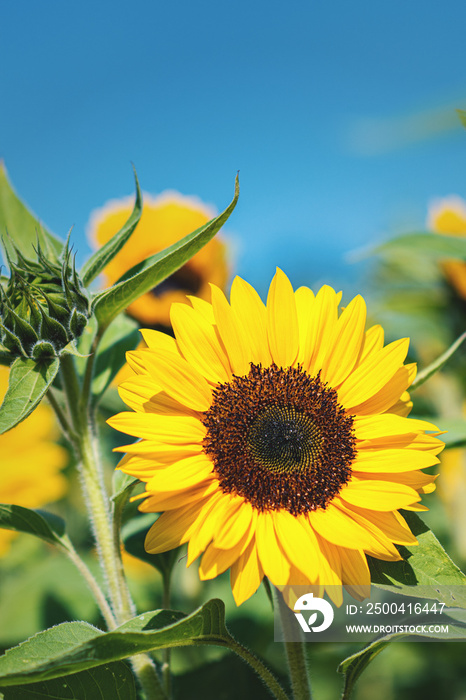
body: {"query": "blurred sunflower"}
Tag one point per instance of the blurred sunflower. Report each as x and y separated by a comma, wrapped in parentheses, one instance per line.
(448, 217)
(165, 220)
(276, 438)
(31, 464)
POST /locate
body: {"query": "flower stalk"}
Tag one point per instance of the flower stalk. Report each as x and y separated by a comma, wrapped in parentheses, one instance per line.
(84, 440)
(295, 654)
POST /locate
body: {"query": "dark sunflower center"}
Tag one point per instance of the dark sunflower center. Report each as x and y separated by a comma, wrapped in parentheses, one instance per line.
(280, 439)
(284, 440)
(185, 280)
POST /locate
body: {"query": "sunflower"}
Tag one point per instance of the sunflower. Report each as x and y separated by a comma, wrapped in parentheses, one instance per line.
(275, 438)
(31, 464)
(165, 220)
(448, 217)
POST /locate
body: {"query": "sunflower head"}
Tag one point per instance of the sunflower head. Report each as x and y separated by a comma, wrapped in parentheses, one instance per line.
(275, 438)
(448, 217)
(43, 306)
(165, 220)
(32, 462)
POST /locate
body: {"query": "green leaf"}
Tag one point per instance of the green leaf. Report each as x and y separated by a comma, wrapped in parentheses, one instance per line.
(456, 431)
(45, 525)
(133, 535)
(432, 246)
(426, 564)
(22, 227)
(123, 484)
(110, 682)
(438, 363)
(354, 665)
(76, 646)
(28, 383)
(149, 273)
(122, 335)
(462, 116)
(102, 257)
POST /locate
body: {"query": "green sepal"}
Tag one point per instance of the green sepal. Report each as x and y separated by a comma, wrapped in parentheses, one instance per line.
(107, 252)
(149, 273)
(28, 383)
(46, 526)
(23, 229)
(43, 350)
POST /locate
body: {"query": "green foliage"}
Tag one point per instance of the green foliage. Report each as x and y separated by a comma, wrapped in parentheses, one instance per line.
(152, 271)
(426, 564)
(431, 246)
(28, 383)
(107, 252)
(354, 665)
(77, 646)
(18, 225)
(437, 365)
(43, 306)
(110, 682)
(462, 116)
(133, 535)
(122, 335)
(47, 526)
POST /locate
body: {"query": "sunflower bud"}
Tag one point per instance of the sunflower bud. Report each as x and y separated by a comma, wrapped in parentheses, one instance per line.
(43, 306)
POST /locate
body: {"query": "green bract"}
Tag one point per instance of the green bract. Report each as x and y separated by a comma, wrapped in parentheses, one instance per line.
(43, 306)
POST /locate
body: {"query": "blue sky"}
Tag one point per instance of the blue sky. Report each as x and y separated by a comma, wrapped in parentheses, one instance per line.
(339, 116)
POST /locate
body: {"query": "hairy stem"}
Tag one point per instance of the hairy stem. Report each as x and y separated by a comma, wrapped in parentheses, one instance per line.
(265, 674)
(295, 655)
(99, 597)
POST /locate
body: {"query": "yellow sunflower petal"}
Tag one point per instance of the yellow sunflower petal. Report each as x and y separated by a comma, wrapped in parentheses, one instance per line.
(373, 341)
(384, 399)
(339, 528)
(230, 333)
(172, 429)
(246, 574)
(385, 425)
(156, 340)
(299, 543)
(282, 321)
(378, 495)
(345, 345)
(198, 343)
(373, 374)
(392, 460)
(240, 520)
(179, 379)
(304, 298)
(274, 562)
(183, 474)
(323, 323)
(172, 528)
(169, 500)
(251, 316)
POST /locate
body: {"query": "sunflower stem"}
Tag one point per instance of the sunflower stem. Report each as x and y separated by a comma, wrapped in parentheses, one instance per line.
(97, 501)
(295, 654)
(96, 590)
(166, 672)
(265, 674)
